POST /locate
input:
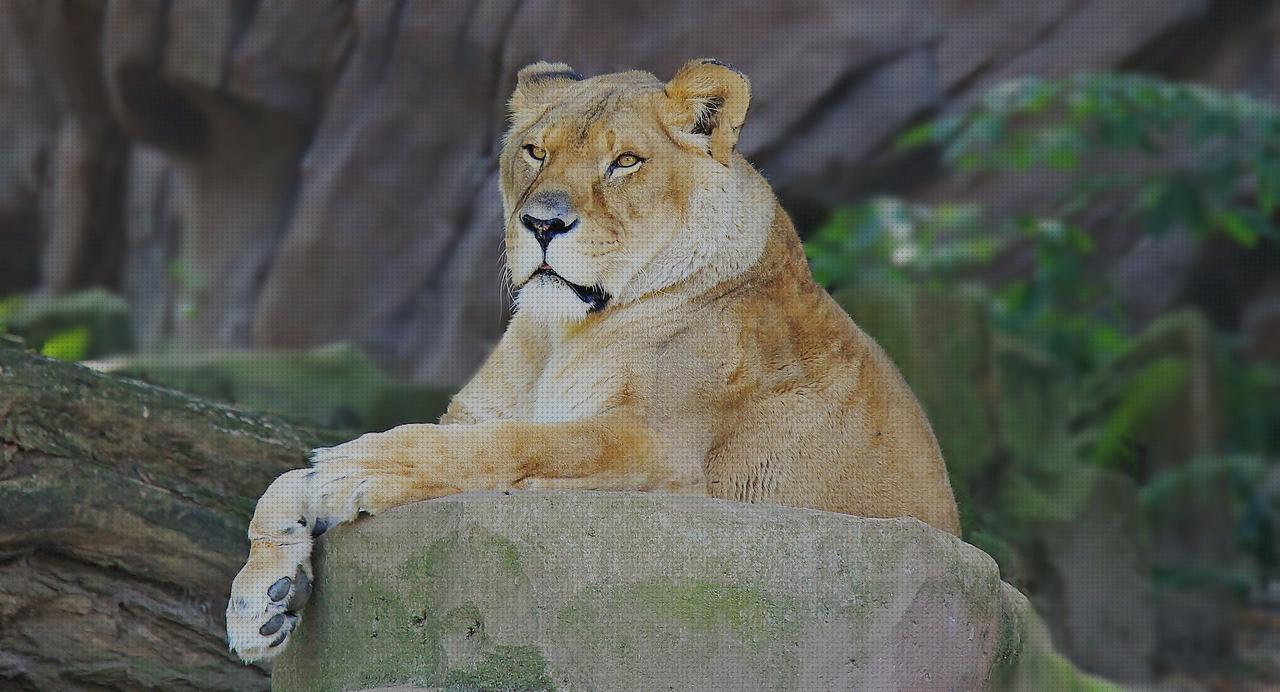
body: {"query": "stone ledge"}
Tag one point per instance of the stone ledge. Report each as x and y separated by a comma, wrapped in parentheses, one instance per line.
(540, 590)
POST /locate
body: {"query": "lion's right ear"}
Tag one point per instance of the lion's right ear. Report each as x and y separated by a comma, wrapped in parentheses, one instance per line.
(537, 83)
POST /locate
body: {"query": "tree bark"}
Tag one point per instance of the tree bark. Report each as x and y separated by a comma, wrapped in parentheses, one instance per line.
(123, 510)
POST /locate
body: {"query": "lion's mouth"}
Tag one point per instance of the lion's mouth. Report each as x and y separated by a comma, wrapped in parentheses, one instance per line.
(594, 296)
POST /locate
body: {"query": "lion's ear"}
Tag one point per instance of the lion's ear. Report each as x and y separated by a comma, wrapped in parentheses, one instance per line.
(708, 97)
(536, 83)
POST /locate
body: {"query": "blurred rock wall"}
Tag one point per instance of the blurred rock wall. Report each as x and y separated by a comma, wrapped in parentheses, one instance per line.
(298, 172)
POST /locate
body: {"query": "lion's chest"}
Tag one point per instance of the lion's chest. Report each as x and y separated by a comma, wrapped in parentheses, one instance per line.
(574, 388)
(658, 371)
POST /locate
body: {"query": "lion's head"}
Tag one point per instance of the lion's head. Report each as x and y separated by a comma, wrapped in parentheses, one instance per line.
(620, 186)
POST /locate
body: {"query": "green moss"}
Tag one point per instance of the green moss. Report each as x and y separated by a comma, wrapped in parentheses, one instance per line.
(632, 625)
(756, 618)
(504, 668)
(1009, 644)
(440, 557)
(393, 643)
(510, 557)
(413, 629)
(753, 617)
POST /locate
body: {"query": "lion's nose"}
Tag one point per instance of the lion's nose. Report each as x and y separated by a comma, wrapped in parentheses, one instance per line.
(547, 215)
(546, 229)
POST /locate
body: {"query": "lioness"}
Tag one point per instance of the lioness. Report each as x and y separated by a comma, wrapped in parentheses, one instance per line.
(667, 336)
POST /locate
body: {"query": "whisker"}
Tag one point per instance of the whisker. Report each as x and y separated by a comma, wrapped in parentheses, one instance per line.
(506, 285)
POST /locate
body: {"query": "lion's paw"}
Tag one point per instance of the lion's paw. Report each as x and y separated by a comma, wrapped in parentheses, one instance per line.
(266, 598)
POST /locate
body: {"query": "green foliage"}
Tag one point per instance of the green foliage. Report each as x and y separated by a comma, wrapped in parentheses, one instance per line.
(907, 241)
(71, 345)
(1181, 156)
(1133, 404)
(1071, 386)
(76, 326)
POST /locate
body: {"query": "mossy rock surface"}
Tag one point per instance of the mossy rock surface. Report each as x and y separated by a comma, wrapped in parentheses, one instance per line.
(534, 591)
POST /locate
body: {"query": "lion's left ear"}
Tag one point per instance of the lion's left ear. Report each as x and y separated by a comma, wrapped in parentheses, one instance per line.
(708, 97)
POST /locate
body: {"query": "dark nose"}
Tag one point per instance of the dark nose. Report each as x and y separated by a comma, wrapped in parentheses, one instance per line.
(545, 229)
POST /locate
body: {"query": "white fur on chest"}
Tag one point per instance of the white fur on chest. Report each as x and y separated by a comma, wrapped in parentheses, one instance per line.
(568, 391)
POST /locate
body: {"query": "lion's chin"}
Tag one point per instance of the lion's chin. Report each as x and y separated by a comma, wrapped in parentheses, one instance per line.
(548, 298)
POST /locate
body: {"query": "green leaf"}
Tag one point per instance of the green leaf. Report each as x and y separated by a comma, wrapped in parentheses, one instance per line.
(71, 344)
(916, 137)
(1150, 391)
(1238, 228)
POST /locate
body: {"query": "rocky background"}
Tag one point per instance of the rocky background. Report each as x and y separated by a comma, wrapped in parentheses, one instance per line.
(283, 174)
(288, 174)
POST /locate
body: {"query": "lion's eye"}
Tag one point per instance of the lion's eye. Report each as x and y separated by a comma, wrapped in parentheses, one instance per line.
(627, 161)
(535, 152)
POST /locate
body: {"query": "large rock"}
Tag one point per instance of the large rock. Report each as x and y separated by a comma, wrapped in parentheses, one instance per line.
(639, 591)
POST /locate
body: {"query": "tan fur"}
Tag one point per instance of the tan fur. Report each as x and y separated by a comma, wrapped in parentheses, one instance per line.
(717, 367)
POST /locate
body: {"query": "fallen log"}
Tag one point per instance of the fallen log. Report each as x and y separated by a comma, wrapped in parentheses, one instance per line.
(123, 509)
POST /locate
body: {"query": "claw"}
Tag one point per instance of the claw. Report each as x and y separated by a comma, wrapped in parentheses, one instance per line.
(280, 589)
(319, 527)
(301, 592)
(273, 625)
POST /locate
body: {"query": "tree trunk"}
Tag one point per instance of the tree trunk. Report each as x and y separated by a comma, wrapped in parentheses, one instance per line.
(123, 510)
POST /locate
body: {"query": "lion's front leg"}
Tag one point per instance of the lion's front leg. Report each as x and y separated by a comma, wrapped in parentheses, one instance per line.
(365, 476)
(275, 582)
(418, 462)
